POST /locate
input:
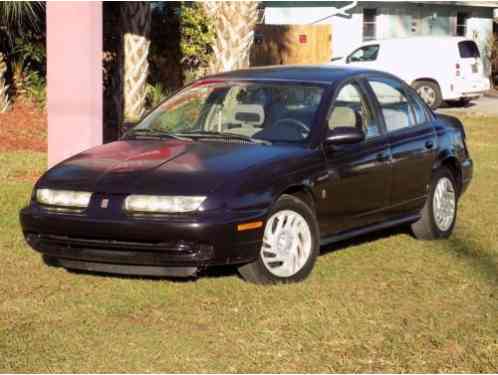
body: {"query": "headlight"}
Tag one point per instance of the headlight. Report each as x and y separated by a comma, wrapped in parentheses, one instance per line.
(162, 204)
(63, 198)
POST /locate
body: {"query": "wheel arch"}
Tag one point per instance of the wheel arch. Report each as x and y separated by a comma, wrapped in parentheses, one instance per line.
(453, 164)
(302, 191)
(421, 79)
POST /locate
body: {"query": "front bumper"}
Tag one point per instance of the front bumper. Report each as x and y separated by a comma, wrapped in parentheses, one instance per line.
(158, 246)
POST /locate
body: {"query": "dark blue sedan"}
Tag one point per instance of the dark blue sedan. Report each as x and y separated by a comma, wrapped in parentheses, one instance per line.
(256, 168)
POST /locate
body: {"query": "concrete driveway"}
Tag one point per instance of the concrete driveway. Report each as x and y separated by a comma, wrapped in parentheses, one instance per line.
(484, 106)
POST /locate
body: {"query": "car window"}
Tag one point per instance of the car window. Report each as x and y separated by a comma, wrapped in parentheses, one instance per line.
(418, 108)
(367, 53)
(396, 109)
(352, 110)
(468, 49)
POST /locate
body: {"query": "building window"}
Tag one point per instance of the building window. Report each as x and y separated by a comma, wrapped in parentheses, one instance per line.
(461, 27)
(369, 24)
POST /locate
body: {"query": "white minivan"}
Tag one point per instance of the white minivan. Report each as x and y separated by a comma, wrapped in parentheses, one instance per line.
(439, 68)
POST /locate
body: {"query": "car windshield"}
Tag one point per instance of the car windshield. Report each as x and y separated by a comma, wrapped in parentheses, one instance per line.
(255, 112)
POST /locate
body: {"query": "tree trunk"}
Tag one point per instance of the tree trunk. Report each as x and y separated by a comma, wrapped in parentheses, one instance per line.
(4, 97)
(234, 23)
(136, 22)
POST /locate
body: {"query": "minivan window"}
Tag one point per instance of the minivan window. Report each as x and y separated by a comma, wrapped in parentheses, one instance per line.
(367, 53)
(468, 49)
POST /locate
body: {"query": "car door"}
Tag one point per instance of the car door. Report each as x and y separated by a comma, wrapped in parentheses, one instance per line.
(358, 182)
(413, 143)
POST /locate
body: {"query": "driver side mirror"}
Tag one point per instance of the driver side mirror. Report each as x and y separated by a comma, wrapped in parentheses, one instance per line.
(344, 135)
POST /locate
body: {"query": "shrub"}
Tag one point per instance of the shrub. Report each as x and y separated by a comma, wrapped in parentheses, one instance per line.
(155, 94)
(197, 37)
(36, 88)
(28, 66)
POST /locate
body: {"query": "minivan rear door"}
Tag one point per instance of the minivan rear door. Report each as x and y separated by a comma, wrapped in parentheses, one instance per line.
(471, 67)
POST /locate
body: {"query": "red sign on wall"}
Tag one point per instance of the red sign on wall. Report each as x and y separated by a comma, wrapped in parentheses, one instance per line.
(303, 38)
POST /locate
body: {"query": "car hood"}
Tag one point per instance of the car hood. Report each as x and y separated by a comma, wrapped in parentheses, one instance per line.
(160, 166)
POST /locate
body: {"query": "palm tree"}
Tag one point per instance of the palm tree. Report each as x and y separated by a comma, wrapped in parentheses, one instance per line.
(14, 17)
(4, 97)
(234, 23)
(136, 23)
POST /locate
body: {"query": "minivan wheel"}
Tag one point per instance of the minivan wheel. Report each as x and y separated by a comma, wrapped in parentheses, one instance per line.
(290, 244)
(429, 92)
(440, 210)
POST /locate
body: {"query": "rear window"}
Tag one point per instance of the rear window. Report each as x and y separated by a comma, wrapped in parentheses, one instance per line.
(468, 49)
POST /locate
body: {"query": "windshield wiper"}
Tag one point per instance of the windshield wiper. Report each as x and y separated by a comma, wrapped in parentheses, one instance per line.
(155, 134)
(216, 134)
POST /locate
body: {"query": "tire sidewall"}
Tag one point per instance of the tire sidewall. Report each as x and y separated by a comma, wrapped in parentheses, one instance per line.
(290, 202)
(438, 99)
(439, 174)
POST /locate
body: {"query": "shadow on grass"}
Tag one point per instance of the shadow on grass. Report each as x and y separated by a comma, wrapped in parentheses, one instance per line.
(475, 255)
(457, 105)
(478, 257)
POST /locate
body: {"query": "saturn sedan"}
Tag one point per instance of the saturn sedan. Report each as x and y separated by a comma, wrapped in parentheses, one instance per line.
(255, 168)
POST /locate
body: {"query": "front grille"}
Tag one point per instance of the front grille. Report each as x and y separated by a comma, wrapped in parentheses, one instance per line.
(87, 243)
(124, 252)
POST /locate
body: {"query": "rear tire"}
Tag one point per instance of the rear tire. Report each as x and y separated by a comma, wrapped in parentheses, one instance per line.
(440, 210)
(429, 92)
(290, 244)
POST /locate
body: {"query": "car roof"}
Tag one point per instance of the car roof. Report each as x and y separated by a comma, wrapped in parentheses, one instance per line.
(323, 74)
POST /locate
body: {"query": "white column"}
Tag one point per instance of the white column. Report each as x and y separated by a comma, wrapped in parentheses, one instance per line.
(74, 75)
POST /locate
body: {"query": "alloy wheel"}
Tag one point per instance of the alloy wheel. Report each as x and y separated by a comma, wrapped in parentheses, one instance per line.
(444, 204)
(428, 95)
(287, 243)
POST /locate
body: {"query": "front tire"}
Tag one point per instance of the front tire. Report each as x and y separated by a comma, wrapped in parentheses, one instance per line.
(440, 210)
(290, 244)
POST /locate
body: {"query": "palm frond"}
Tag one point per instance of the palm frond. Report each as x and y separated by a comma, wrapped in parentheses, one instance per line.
(14, 15)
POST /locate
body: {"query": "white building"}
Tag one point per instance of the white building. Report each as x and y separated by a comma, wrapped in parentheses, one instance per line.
(368, 20)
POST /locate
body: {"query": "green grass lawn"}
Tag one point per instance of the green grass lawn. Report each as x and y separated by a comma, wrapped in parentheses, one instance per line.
(381, 303)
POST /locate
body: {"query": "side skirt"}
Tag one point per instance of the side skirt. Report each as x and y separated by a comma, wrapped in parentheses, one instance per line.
(371, 228)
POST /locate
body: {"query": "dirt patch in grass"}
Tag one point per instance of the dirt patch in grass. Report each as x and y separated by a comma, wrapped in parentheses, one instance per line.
(23, 128)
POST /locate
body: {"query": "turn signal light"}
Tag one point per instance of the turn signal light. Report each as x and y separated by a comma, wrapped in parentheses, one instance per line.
(249, 226)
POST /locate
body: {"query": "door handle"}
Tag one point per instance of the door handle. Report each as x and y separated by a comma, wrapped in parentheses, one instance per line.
(429, 145)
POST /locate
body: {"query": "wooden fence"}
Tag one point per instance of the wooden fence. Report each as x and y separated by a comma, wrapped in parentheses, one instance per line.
(291, 44)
